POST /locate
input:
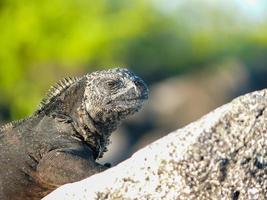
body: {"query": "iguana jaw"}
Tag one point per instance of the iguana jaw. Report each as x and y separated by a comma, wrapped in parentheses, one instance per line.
(94, 134)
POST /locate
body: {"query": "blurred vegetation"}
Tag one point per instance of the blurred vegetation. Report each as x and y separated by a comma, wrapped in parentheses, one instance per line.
(43, 41)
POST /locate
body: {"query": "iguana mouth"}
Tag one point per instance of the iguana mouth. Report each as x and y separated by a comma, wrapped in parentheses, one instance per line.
(135, 99)
(141, 98)
(138, 98)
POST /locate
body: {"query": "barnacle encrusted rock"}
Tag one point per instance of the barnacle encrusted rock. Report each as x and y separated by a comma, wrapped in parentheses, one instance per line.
(221, 156)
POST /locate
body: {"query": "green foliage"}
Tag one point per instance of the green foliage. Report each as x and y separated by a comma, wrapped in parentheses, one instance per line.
(42, 41)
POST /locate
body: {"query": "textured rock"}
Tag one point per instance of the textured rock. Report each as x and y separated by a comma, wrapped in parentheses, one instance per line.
(221, 156)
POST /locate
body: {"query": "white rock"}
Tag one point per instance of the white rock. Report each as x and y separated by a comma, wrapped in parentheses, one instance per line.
(221, 156)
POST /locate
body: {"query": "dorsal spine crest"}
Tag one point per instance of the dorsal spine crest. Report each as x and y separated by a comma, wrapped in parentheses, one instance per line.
(56, 90)
(12, 124)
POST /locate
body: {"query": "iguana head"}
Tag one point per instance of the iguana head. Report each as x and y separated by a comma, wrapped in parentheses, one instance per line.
(114, 94)
(109, 96)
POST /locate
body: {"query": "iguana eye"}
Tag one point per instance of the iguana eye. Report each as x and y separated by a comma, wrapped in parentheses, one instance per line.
(114, 84)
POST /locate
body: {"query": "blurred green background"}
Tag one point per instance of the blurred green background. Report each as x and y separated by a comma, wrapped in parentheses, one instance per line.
(44, 41)
(194, 54)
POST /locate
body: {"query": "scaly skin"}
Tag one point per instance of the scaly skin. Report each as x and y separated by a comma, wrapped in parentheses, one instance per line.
(61, 141)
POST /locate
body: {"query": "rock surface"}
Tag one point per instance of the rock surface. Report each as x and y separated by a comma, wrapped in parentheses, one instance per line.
(221, 156)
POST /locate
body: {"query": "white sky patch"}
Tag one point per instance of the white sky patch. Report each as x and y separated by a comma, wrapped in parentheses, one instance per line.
(255, 10)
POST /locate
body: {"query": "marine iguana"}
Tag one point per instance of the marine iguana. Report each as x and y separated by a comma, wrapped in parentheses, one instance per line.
(61, 141)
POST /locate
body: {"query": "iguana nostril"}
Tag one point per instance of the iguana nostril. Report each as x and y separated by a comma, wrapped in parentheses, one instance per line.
(138, 83)
(141, 87)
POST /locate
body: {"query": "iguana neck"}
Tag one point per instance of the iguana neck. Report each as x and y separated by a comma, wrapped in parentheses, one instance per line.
(87, 128)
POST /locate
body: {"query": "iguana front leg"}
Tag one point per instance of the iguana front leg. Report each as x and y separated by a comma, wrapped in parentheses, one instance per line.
(63, 166)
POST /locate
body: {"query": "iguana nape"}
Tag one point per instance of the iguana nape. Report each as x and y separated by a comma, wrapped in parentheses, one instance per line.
(60, 142)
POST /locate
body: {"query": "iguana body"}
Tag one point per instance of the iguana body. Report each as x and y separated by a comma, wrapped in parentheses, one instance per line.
(60, 142)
